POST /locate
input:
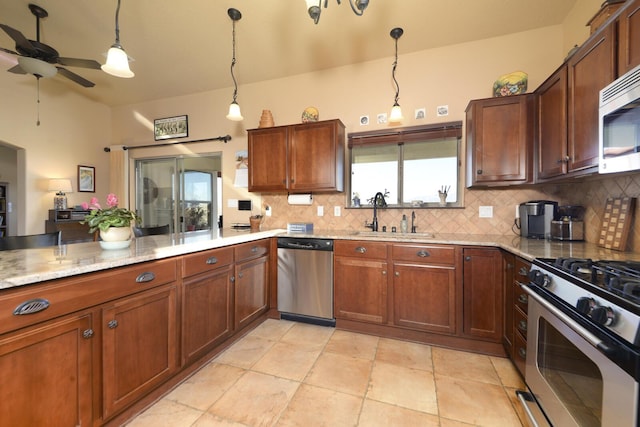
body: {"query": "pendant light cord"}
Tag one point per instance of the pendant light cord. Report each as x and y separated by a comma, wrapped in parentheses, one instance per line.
(117, 24)
(233, 61)
(393, 74)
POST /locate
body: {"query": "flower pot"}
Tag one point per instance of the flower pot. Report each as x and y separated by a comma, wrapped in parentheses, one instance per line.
(115, 238)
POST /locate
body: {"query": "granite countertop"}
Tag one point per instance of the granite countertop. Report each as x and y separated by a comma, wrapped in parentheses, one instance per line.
(23, 267)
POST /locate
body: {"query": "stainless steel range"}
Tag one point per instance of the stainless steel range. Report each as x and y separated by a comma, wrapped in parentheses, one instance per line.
(583, 343)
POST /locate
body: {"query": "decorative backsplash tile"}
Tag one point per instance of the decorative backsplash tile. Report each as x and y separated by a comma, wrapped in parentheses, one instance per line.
(590, 193)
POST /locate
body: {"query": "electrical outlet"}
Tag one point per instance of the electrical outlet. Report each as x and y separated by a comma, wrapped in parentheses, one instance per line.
(320, 210)
(336, 211)
(485, 212)
(268, 211)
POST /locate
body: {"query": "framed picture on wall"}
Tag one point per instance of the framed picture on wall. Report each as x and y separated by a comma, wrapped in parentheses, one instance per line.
(86, 179)
(171, 127)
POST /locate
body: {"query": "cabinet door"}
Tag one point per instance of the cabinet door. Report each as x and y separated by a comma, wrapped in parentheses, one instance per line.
(590, 69)
(629, 37)
(267, 150)
(500, 140)
(139, 346)
(482, 294)
(206, 312)
(360, 289)
(316, 156)
(47, 374)
(424, 297)
(552, 125)
(251, 290)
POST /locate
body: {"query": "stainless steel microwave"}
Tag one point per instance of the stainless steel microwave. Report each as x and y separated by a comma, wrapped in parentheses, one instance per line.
(619, 125)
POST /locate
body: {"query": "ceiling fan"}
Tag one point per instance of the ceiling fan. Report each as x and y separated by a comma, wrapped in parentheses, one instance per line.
(42, 60)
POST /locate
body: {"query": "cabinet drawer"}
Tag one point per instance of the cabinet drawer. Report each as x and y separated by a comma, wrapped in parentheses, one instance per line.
(205, 261)
(424, 253)
(251, 250)
(68, 295)
(360, 249)
(520, 353)
(520, 321)
(521, 271)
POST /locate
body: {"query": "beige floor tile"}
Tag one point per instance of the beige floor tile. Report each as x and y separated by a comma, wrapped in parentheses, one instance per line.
(517, 405)
(211, 420)
(474, 402)
(311, 337)
(166, 413)
(245, 352)
(315, 406)
(341, 373)
(378, 414)
(463, 365)
(445, 422)
(507, 372)
(406, 387)
(403, 353)
(272, 329)
(255, 399)
(287, 360)
(352, 344)
(206, 386)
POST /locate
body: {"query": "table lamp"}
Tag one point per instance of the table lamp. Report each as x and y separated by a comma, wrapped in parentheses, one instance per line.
(61, 187)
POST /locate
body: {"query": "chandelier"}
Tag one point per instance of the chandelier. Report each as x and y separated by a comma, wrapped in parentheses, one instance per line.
(313, 7)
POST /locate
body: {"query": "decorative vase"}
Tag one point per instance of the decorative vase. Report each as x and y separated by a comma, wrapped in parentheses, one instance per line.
(115, 238)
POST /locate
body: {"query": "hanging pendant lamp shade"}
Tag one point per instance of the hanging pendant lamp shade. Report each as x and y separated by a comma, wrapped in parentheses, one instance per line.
(234, 108)
(117, 60)
(396, 111)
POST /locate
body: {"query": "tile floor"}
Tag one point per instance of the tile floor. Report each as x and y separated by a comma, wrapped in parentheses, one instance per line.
(292, 374)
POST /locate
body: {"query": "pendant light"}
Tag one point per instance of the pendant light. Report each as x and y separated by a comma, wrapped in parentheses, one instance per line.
(313, 7)
(396, 111)
(234, 108)
(117, 60)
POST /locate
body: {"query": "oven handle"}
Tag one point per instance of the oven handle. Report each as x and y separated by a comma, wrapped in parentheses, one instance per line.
(592, 339)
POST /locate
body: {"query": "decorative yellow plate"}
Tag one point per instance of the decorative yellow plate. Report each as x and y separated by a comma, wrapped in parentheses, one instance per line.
(310, 114)
(510, 84)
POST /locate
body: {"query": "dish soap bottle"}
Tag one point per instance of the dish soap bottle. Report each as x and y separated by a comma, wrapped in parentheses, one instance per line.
(403, 224)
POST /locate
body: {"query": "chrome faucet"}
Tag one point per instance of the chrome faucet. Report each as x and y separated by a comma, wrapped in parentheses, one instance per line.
(413, 218)
(378, 198)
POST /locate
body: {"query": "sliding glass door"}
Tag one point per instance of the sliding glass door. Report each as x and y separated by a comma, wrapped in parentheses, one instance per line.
(182, 192)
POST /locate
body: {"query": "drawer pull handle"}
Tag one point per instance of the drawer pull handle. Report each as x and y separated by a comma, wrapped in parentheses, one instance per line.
(523, 271)
(112, 324)
(523, 299)
(361, 249)
(87, 333)
(32, 306)
(145, 277)
(522, 352)
(522, 325)
(254, 249)
(423, 254)
(212, 260)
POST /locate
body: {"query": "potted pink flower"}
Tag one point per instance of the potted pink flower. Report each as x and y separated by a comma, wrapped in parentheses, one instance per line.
(109, 219)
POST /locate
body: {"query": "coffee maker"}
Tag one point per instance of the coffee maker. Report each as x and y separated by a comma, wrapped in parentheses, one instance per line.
(536, 217)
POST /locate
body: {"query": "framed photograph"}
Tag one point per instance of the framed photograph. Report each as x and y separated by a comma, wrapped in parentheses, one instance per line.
(171, 127)
(86, 179)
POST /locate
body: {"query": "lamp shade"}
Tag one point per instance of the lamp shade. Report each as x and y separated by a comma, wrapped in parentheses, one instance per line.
(117, 63)
(396, 114)
(60, 185)
(234, 112)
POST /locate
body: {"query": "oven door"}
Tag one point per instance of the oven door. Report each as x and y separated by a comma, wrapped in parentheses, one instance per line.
(574, 383)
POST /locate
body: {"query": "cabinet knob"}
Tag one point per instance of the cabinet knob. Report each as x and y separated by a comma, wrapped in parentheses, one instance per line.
(397, 274)
(361, 249)
(479, 172)
(523, 299)
(112, 324)
(522, 325)
(254, 249)
(384, 272)
(240, 275)
(145, 277)
(87, 333)
(522, 352)
(467, 258)
(232, 278)
(212, 260)
(523, 272)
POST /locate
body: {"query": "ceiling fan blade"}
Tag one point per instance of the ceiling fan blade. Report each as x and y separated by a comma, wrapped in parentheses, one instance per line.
(77, 62)
(17, 70)
(22, 43)
(8, 51)
(74, 77)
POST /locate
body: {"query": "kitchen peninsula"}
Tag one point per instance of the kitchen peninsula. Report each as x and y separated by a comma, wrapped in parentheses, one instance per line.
(122, 327)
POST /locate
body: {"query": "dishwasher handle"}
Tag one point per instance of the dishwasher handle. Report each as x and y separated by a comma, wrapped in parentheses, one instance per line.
(308, 244)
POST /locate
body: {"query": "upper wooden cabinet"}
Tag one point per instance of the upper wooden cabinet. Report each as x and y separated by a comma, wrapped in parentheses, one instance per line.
(500, 141)
(629, 37)
(551, 126)
(297, 158)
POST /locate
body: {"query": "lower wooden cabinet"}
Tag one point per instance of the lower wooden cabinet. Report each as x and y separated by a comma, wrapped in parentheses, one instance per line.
(47, 373)
(482, 294)
(139, 345)
(251, 282)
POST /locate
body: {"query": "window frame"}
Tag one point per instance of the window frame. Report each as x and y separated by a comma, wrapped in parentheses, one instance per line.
(400, 136)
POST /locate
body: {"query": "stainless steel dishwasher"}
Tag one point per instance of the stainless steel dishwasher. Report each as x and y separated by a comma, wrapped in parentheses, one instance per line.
(305, 280)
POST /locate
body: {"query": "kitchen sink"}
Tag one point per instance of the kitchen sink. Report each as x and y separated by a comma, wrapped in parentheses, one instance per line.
(394, 235)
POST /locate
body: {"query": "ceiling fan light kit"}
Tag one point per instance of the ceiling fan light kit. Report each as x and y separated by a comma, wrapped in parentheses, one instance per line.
(313, 7)
(38, 68)
(117, 60)
(396, 111)
(234, 109)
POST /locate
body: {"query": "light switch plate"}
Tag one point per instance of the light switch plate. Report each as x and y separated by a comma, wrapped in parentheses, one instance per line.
(336, 211)
(485, 212)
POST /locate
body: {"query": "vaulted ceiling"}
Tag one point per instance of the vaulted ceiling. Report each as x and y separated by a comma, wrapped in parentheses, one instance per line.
(183, 47)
